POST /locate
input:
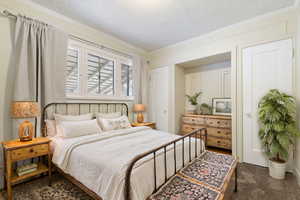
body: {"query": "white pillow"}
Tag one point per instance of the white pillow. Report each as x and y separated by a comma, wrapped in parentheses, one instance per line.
(51, 127)
(108, 115)
(114, 124)
(69, 129)
(59, 117)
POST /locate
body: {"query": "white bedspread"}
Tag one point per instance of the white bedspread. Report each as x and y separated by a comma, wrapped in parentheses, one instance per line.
(100, 161)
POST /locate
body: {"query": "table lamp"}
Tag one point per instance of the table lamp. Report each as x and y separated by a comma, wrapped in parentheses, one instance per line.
(139, 109)
(25, 109)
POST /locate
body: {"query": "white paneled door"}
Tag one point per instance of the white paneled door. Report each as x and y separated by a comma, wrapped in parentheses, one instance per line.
(265, 67)
(159, 97)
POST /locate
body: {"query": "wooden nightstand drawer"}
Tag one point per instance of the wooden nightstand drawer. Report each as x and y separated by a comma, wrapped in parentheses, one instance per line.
(29, 152)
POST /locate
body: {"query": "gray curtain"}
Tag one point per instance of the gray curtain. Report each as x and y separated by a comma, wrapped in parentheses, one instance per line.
(40, 57)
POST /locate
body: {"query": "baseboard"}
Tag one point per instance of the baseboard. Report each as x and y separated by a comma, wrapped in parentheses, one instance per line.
(297, 173)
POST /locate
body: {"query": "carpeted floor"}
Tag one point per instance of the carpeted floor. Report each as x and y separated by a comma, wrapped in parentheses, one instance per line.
(254, 184)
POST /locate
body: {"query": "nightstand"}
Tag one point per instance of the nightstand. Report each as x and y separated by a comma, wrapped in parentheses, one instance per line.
(16, 151)
(149, 124)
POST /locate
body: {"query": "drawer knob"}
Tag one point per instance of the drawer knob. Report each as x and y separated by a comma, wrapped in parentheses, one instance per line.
(218, 122)
(219, 131)
(31, 150)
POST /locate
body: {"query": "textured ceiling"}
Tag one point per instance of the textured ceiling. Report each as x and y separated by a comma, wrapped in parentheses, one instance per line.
(153, 24)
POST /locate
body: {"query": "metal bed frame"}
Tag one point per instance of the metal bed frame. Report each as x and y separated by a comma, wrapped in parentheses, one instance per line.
(195, 135)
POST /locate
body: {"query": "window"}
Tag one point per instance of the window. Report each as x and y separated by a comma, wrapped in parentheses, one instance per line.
(92, 72)
(100, 75)
(72, 72)
(127, 82)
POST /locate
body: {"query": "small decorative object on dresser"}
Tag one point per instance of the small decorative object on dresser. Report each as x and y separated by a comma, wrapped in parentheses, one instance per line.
(149, 124)
(218, 128)
(205, 109)
(221, 106)
(25, 109)
(139, 109)
(15, 151)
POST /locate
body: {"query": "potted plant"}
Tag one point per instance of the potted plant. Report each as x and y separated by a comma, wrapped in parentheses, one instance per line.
(278, 129)
(193, 100)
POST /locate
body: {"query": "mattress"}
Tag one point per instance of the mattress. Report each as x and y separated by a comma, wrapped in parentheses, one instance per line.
(100, 161)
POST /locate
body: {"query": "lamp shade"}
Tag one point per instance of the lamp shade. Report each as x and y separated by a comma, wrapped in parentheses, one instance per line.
(25, 109)
(139, 108)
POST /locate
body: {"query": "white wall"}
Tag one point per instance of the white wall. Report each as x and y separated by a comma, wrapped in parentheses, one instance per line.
(213, 80)
(66, 24)
(275, 26)
(297, 155)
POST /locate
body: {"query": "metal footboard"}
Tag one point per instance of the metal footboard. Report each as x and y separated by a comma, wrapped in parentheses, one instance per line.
(195, 135)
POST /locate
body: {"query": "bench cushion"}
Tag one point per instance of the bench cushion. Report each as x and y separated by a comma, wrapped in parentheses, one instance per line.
(211, 169)
(179, 188)
(204, 178)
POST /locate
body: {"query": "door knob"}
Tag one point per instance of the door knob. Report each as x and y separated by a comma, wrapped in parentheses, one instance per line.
(248, 114)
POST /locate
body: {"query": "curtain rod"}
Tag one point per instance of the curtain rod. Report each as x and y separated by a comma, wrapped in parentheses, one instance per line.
(9, 14)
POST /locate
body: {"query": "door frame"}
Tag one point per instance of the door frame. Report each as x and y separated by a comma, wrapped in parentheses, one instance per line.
(239, 84)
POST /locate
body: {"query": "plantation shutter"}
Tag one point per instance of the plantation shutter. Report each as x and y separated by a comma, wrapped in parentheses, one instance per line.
(100, 75)
(72, 72)
(127, 82)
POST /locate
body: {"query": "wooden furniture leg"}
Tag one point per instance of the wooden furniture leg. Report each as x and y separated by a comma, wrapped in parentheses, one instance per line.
(8, 175)
(236, 179)
(49, 166)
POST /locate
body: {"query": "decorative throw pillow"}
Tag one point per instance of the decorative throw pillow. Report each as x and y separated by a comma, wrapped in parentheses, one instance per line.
(51, 127)
(108, 115)
(114, 124)
(69, 129)
(59, 117)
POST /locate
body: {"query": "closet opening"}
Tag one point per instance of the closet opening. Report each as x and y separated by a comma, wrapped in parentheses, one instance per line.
(210, 78)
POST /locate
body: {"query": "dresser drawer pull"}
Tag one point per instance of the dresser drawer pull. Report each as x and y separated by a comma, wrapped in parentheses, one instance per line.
(31, 150)
(219, 131)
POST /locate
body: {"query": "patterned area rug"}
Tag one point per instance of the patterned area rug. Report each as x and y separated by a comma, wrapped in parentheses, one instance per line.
(254, 183)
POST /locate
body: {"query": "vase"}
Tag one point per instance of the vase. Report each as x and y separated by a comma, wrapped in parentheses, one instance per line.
(191, 109)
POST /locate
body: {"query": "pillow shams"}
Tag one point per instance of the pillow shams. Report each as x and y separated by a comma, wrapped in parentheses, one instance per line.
(109, 115)
(114, 124)
(51, 127)
(70, 129)
(59, 117)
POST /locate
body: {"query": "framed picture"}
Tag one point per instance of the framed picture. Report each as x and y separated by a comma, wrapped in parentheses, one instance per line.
(221, 106)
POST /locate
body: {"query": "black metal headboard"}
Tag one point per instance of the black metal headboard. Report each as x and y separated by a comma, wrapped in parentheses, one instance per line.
(80, 108)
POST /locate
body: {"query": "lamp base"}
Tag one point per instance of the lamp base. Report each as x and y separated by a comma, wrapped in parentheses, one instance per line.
(25, 139)
(26, 131)
(140, 118)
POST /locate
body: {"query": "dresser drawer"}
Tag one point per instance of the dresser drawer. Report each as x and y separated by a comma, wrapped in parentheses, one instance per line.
(187, 128)
(193, 120)
(218, 123)
(219, 142)
(29, 152)
(219, 132)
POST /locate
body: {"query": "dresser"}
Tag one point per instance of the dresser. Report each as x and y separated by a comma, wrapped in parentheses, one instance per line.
(218, 128)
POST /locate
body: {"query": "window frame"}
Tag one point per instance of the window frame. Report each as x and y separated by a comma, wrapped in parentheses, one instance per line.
(84, 49)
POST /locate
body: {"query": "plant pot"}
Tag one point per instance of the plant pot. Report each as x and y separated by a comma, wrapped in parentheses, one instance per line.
(277, 169)
(191, 109)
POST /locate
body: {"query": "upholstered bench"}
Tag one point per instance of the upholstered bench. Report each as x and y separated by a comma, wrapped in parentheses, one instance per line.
(205, 178)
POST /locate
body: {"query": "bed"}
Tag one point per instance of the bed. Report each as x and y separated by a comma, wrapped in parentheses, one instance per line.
(126, 164)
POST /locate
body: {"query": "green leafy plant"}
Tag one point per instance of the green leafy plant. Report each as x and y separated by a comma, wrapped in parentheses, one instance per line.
(205, 109)
(277, 116)
(193, 98)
